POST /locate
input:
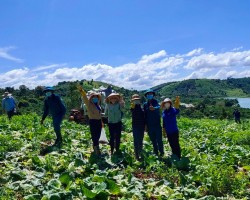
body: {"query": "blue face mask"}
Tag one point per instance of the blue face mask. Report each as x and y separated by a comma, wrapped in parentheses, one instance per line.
(48, 94)
(150, 96)
(95, 100)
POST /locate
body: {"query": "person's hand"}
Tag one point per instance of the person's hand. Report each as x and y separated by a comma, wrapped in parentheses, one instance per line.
(177, 102)
(151, 108)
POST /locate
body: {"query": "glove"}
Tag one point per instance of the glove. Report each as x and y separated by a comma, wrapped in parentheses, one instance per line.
(177, 102)
(132, 105)
(81, 90)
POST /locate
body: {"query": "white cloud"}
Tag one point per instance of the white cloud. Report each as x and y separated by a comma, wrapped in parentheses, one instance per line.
(147, 72)
(42, 68)
(4, 54)
(195, 52)
(222, 60)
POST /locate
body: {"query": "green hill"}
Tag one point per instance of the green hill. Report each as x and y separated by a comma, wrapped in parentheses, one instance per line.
(207, 95)
(200, 88)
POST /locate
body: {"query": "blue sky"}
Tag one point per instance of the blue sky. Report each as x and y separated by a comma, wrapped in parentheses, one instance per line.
(134, 44)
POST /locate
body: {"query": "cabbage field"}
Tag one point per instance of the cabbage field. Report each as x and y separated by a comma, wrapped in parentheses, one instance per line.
(215, 163)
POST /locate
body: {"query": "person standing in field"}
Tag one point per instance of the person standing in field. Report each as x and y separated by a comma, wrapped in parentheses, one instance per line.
(9, 104)
(113, 111)
(54, 106)
(138, 124)
(170, 128)
(93, 105)
(236, 114)
(153, 122)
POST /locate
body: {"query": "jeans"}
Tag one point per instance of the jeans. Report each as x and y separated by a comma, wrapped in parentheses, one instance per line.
(138, 134)
(57, 120)
(155, 135)
(173, 140)
(115, 130)
(95, 126)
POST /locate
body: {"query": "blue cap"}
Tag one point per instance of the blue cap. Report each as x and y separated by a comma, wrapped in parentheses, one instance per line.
(48, 88)
(148, 91)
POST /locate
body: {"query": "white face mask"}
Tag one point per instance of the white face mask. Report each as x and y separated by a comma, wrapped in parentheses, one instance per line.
(167, 105)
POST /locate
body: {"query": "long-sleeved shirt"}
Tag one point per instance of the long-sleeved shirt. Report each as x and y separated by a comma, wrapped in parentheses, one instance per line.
(152, 117)
(8, 103)
(138, 116)
(53, 105)
(114, 112)
(169, 120)
(92, 110)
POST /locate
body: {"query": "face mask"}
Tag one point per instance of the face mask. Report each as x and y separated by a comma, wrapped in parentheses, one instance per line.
(167, 105)
(150, 96)
(48, 94)
(113, 101)
(137, 102)
(95, 100)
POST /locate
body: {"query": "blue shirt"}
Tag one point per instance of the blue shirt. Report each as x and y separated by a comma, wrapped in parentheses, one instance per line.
(8, 103)
(152, 117)
(169, 120)
(53, 105)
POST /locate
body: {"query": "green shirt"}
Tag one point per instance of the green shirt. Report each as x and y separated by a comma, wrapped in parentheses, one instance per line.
(114, 112)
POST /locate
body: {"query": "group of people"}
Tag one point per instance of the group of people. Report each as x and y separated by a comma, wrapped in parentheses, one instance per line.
(145, 117)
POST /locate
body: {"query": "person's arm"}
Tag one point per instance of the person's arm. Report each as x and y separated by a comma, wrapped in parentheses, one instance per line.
(157, 106)
(45, 111)
(122, 104)
(84, 95)
(106, 110)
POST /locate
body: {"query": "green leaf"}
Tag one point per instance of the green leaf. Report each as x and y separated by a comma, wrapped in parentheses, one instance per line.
(113, 187)
(54, 183)
(37, 161)
(65, 178)
(88, 193)
(32, 197)
(100, 187)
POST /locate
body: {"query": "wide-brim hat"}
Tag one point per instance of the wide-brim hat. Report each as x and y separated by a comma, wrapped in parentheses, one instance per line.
(117, 95)
(6, 94)
(92, 94)
(48, 88)
(149, 91)
(136, 97)
(165, 101)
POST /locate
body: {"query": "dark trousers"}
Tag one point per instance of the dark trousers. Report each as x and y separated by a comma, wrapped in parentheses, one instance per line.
(237, 120)
(155, 135)
(173, 140)
(115, 130)
(11, 113)
(138, 134)
(95, 126)
(57, 120)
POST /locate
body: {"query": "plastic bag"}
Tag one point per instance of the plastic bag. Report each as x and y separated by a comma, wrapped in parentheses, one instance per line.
(103, 138)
